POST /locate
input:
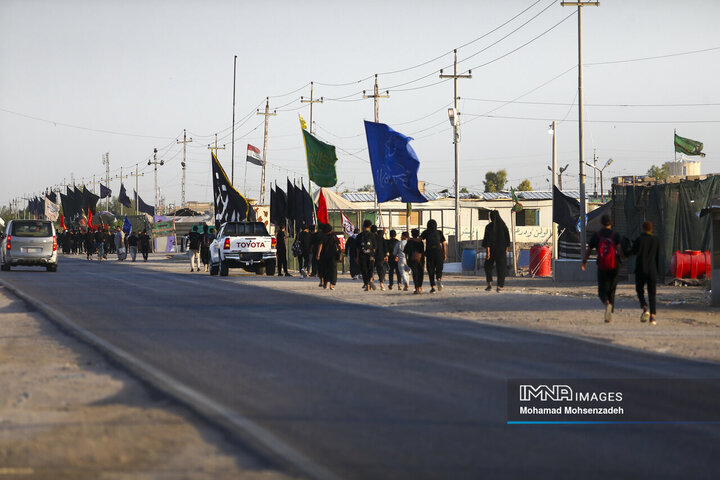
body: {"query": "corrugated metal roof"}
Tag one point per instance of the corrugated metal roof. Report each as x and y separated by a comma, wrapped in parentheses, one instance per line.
(473, 195)
(370, 196)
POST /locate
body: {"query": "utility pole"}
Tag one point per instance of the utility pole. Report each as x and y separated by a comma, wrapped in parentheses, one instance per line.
(137, 175)
(553, 129)
(312, 101)
(267, 115)
(185, 141)
(106, 162)
(154, 162)
(121, 177)
(232, 148)
(455, 119)
(376, 100)
(216, 148)
(581, 146)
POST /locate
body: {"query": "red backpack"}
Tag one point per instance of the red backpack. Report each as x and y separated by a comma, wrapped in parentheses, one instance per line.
(607, 253)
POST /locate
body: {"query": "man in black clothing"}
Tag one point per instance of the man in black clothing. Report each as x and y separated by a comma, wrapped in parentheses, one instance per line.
(607, 242)
(392, 263)
(194, 240)
(435, 253)
(281, 251)
(305, 251)
(381, 255)
(647, 249)
(351, 247)
(366, 248)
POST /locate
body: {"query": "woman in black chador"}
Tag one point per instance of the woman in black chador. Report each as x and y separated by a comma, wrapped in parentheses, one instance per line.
(496, 243)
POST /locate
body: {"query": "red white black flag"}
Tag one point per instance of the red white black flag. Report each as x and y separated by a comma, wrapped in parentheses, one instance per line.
(253, 155)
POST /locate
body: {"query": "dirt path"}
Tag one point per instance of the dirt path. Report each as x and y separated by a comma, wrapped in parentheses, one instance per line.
(66, 414)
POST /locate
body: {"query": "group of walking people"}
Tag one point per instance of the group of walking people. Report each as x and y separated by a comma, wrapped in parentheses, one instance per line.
(199, 246)
(371, 254)
(101, 242)
(611, 248)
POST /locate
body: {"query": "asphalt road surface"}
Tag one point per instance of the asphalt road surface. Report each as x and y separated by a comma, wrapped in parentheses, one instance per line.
(369, 393)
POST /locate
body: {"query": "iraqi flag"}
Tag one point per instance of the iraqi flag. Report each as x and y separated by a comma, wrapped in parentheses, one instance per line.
(253, 155)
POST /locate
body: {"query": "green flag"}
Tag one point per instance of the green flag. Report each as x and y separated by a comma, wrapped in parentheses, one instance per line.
(687, 146)
(321, 159)
(517, 206)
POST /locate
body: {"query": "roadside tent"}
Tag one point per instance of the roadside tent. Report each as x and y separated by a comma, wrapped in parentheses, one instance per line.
(333, 201)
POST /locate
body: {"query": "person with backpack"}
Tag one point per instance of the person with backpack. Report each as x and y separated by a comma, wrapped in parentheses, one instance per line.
(496, 242)
(367, 247)
(435, 254)
(208, 237)
(415, 255)
(647, 264)
(608, 243)
(194, 241)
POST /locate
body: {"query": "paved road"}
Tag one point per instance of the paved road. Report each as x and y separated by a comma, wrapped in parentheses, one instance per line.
(372, 393)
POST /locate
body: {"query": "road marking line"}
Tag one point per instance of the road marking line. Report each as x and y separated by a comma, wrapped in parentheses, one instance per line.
(16, 471)
(207, 406)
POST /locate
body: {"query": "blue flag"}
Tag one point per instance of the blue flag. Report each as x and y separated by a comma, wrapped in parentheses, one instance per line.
(127, 226)
(394, 164)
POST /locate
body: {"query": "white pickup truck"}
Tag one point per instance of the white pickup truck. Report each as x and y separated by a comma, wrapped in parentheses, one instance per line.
(246, 245)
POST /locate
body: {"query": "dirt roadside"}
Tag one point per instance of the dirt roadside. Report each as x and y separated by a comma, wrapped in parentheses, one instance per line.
(66, 414)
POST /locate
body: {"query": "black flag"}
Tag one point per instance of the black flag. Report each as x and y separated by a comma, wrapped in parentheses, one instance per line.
(89, 201)
(273, 206)
(104, 191)
(144, 207)
(51, 196)
(308, 207)
(281, 210)
(230, 205)
(123, 199)
(291, 209)
(566, 210)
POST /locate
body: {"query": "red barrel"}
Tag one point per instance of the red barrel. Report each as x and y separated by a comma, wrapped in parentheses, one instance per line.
(540, 264)
(695, 267)
(680, 265)
(690, 264)
(708, 264)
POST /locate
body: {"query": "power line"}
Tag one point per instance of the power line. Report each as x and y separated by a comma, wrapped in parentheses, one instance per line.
(79, 127)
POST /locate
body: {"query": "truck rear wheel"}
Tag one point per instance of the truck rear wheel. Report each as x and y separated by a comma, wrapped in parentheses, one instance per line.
(51, 268)
(224, 269)
(260, 269)
(214, 269)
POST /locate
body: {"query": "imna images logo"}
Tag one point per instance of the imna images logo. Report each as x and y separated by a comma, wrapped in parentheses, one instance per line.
(544, 393)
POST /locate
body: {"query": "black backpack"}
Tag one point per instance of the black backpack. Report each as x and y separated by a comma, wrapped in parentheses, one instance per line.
(367, 246)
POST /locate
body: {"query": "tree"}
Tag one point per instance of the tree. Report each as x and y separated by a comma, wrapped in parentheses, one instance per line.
(464, 190)
(525, 186)
(495, 181)
(367, 188)
(659, 173)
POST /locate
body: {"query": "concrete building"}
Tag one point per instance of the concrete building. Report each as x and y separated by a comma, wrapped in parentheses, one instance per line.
(683, 168)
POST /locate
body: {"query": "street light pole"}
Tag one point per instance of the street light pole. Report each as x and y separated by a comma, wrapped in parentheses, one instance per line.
(456, 139)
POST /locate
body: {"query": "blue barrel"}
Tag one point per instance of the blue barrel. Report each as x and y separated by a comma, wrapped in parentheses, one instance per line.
(468, 260)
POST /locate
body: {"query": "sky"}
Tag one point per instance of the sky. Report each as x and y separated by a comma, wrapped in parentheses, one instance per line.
(82, 78)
